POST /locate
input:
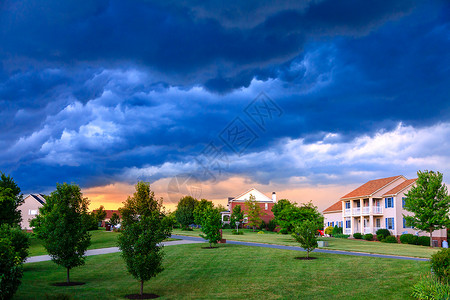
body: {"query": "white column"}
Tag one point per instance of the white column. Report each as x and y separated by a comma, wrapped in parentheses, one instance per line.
(371, 225)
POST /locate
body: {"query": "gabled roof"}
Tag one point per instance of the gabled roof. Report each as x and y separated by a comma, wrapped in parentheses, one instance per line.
(255, 193)
(38, 197)
(334, 208)
(400, 187)
(371, 187)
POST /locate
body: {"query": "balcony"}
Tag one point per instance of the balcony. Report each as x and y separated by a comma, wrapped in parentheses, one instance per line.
(366, 210)
(347, 212)
(357, 211)
(377, 210)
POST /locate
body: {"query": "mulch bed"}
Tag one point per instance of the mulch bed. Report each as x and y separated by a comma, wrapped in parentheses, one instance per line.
(143, 296)
(210, 247)
(306, 258)
(68, 283)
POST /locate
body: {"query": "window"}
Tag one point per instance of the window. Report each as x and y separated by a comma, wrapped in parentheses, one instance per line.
(328, 224)
(348, 224)
(347, 205)
(266, 206)
(332, 224)
(403, 202)
(390, 223)
(378, 222)
(340, 224)
(404, 224)
(32, 212)
(389, 202)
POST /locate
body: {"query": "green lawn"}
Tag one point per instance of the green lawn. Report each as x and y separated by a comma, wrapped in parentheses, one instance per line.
(333, 243)
(233, 272)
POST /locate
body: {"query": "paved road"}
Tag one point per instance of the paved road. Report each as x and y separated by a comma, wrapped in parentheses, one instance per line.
(40, 258)
(198, 239)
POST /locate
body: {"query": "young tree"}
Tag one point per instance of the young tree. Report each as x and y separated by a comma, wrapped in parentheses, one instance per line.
(144, 227)
(211, 225)
(11, 269)
(237, 215)
(10, 200)
(254, 212)
(305, 234)
(115, 219)
(100, 214)
(61, 226)
(199, 210)
(429, 202)
(185, 211)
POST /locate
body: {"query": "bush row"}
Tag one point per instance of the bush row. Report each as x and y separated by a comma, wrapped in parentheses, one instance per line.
(383, 235)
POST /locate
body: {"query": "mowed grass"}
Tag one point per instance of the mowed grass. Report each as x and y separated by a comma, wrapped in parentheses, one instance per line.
(333, 243)
(232, 272)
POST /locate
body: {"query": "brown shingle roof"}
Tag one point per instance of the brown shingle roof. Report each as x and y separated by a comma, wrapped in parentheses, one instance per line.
(335, 207)
(370, 187)
(400, 187)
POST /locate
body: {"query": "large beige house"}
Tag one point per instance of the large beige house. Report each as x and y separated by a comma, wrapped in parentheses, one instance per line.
(374, 205)
(30, 208)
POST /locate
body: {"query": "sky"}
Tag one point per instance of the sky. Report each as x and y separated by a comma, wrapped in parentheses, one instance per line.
(309, 99)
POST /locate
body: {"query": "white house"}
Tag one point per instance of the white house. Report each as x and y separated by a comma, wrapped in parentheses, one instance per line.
(30, 208)
(374, 205)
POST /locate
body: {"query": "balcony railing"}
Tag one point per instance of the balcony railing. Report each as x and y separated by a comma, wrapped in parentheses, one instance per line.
(357, 211)
(348, 212)
(366, 210)
(377, 210)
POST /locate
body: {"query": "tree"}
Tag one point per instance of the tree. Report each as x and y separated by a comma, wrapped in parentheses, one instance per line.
(289, 215)
(254, 212)
(115, 219)
(61, 226)
(211, 225)
(237, 215)
(305, 234)
(10, 200)
(144, 228)
(221, 208)
(185, 211)
(429, 202)
(199, 210)
(100, 214)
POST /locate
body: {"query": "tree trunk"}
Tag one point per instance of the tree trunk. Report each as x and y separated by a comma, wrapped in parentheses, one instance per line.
(307, 254)
(68, 278)
(431, 237)
(142, 287)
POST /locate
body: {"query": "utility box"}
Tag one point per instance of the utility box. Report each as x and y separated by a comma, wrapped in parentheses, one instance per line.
(322, 244)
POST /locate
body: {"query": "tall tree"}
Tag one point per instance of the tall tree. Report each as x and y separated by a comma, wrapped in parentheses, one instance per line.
(254, 212)
(429, 202)
(289, 215)
(10, 200)
(185, 211)
(144, 227)
(211, 225)
(237, 215)
(61, 226)
(199, 210)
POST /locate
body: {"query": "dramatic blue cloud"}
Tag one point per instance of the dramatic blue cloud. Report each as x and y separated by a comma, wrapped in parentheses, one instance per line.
(108, 91)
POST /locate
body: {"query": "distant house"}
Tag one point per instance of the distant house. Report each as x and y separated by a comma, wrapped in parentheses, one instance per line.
(264, 202)
(109, 214)
(374, 205)
(30, 208)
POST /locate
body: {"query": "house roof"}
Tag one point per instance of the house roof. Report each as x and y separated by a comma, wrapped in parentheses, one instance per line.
(265, 198)
(400, 187)
(371, 187)
(38, 197)
(109, 213)
(334, 208)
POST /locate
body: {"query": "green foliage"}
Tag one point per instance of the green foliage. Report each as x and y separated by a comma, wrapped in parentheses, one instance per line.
(430, 288)
(341, 236)
(99, 214)
(254, 212)
(368, 237)
(283, 231)
(272, 225)
(200, 209)
(226, 226)
(305, 234)
(260, 232)
(390, 239)
(263, 225)
(144, 227)
(90, 220)
(423, 240)
(329, 230)
(10, 200)
(61, 226)
(429, 202)
(289, 215)
(382, 234)
(14, 245)
(440, 264)
(211, 225)
(185, 211)
(357, 236)
(236, 232)
(337, 230)
(237, 215)
(115, 219)
(408, 238)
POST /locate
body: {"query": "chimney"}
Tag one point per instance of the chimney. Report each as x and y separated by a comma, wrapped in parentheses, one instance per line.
(274, 197)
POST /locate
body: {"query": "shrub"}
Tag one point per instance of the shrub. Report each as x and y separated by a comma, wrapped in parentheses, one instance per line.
(337, 230)
(263, 225)
(423, 240)
(357, 235)
(390, 239)
(329, 230)
(284, 231)
(382, 234)
(234, 231)
(271, 225)
(260, 232)
(430, 288)
(226, 226)
(407, 238)
(440, 263)
(341, 236)
(368, 237)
